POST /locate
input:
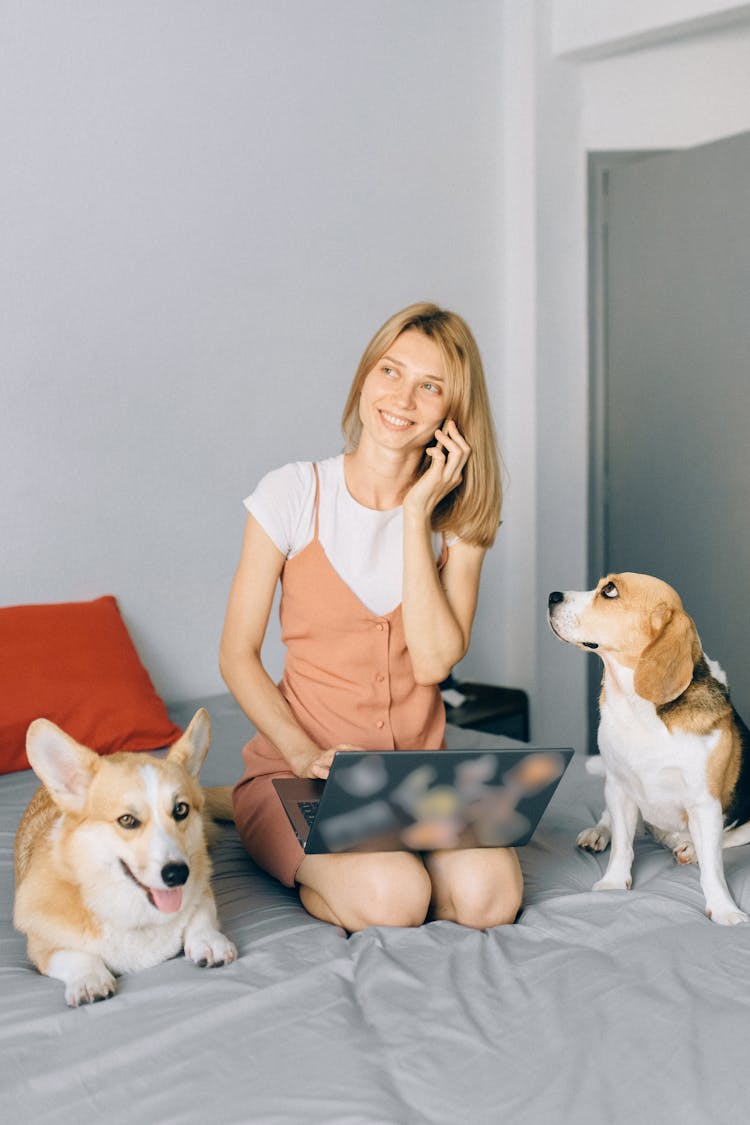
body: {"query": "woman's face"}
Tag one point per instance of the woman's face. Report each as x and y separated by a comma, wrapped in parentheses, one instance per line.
(404, 396)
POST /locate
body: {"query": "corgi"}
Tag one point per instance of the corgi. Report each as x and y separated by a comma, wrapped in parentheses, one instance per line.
(111, 863)
(673, 749)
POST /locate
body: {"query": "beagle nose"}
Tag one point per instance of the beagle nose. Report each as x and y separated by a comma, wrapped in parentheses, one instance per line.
(555, 598)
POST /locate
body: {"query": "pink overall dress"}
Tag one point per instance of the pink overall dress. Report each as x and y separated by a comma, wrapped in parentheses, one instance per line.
(347, 679)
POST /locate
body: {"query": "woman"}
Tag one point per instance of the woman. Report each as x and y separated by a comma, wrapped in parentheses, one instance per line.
(379, 553)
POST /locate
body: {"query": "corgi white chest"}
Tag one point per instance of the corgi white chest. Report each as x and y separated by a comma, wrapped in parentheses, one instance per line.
(130, 950)
(664, 772)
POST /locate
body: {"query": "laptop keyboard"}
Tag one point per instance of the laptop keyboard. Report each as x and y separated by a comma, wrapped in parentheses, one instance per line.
(309, 810)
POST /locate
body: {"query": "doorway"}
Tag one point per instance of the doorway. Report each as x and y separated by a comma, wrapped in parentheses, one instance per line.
(670, 385)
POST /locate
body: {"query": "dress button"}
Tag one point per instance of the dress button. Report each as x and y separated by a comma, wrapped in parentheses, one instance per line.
(380, 677)
(380, 626)
(380, 724)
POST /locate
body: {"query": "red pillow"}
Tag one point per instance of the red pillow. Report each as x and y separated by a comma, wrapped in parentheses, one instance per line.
(75, 663)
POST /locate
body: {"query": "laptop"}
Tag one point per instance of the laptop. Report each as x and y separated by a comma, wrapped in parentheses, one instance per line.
(422, 800)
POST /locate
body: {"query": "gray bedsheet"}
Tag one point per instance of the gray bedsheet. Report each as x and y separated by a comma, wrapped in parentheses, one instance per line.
(609, 1007)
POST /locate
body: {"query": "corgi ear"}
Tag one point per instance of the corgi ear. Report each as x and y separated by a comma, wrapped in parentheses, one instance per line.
(190, 750)
(666, 666)
(63, 766)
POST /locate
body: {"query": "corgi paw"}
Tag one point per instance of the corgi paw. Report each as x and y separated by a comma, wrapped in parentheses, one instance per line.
(606, 884)
(594, 839)
(685, 852)
(89, 989)
(727, 916)
(210, 949)
(85, 976)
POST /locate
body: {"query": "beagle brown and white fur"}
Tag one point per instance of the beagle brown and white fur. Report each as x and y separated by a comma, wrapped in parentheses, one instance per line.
(672, 746)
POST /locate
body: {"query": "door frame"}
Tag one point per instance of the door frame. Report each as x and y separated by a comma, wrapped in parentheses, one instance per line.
(600, 167)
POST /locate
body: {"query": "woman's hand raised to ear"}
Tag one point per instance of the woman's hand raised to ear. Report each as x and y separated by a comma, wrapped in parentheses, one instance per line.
(438, 605)
(449, 456)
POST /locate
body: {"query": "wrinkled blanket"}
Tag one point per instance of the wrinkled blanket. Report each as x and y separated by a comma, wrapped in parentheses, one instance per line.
(595, 1007)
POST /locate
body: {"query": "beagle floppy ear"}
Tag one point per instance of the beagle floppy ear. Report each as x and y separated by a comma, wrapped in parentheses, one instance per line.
(666, 665)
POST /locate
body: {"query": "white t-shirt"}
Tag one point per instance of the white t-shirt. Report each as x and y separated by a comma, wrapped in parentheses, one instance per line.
(364, 546)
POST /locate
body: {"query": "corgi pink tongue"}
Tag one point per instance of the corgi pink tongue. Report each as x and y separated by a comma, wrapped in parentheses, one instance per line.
(168, 902)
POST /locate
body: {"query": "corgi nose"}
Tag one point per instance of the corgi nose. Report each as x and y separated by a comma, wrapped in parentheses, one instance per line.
(175, 874)
(555, 598)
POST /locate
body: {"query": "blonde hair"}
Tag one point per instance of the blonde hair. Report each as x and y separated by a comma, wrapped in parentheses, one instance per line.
(472, 510)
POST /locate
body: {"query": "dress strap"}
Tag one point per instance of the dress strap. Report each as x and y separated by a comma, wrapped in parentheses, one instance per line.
(443, 552)
(317, 501)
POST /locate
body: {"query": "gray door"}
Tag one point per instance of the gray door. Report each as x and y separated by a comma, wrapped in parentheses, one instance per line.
(676, 406)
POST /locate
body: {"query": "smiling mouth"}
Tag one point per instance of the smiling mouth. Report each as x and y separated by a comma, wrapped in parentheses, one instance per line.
(394, 421)
(167, 901)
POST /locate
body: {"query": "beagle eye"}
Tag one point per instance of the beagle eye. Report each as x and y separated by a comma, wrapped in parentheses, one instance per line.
(128, 821)
(181, 810)
(609, 591)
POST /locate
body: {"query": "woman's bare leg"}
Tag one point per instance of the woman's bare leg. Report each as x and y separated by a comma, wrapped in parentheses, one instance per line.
(478, 887)
(356, 890)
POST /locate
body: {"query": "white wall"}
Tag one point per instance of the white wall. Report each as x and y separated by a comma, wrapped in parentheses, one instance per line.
(584, 30)
(207, 209)
(689, 92)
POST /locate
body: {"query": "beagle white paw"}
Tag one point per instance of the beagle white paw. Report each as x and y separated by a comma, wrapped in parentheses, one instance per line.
(210, 949)
(685, 852)
(729, 916)
(607, 884)
(594, 839)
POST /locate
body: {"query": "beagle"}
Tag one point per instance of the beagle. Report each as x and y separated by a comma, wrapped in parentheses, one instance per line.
(672, 746)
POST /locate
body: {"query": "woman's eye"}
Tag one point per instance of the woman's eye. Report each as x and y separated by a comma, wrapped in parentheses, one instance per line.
(128, 821)
(389, 372)
(181, 810)
(433, 388)
(610, 591)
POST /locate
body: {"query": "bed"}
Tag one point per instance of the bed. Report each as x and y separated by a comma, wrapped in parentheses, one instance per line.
(594, 1007)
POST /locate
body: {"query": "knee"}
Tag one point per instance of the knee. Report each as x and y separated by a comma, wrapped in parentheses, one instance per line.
(493, 900)
(391, 894)
(483, 911)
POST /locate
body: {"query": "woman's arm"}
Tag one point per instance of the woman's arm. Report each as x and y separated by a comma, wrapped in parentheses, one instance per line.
(438, 607)
(250, 601)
